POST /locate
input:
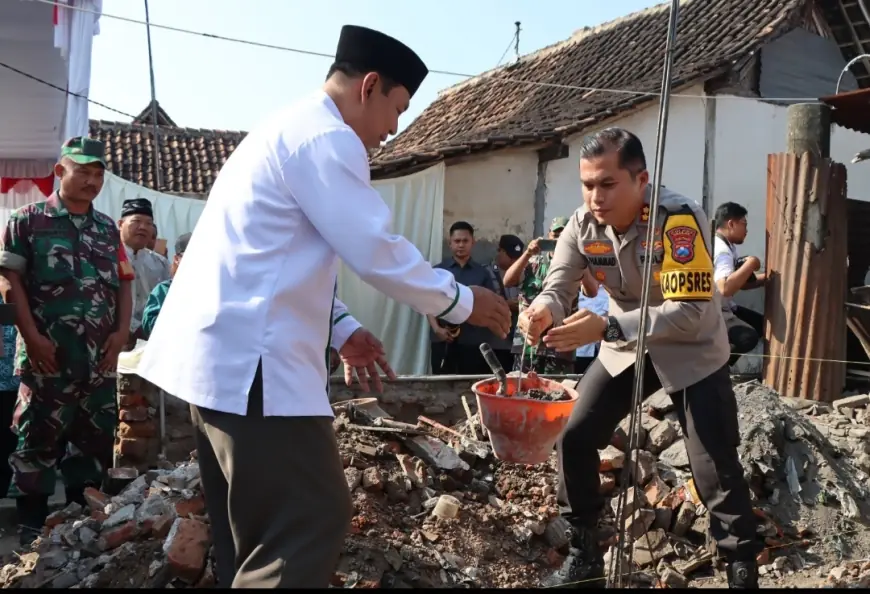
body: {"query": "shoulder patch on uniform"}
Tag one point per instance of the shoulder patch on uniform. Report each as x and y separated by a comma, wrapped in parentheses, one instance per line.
(687, 269)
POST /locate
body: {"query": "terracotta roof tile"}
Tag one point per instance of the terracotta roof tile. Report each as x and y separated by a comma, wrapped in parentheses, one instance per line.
(189, 158)
(489, 112)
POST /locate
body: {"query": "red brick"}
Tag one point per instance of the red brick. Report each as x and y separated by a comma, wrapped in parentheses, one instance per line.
(160, 526)
(554, 558)
(194, 506)
(186, 548)
(134, 447)
(112, 539)
(96, 500)
(135, 413)
(132, 400)
(138, 429)
(58, 517)
(98, 515)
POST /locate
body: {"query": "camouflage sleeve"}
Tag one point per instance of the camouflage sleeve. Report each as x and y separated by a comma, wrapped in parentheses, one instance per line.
(15, 253)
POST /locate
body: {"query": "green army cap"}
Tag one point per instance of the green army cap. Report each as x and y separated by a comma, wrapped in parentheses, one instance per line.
(559, 223)
(84, 151)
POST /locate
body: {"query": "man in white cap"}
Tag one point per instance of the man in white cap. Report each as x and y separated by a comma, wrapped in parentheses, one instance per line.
(245, 333)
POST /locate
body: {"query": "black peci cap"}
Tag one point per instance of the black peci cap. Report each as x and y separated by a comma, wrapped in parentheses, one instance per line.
(368, 50)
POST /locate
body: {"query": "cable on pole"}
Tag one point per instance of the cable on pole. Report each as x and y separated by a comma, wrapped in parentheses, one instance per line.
(620, 575)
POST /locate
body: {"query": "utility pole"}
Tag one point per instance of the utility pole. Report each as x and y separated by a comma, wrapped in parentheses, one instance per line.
(155, 144)
(517, 42)
(809, 129)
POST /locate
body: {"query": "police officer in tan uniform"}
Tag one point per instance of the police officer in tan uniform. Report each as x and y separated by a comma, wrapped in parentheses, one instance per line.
(687, 349)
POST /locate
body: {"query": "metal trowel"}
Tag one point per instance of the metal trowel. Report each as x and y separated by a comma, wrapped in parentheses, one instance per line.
(495, 366)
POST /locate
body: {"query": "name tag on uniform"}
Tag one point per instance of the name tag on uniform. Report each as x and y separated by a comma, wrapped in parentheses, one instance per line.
(599, 252)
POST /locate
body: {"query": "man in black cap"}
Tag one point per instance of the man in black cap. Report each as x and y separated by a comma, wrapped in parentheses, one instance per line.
(245, 333)
(137, 229)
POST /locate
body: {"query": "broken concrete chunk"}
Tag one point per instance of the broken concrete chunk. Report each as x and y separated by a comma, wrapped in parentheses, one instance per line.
(125, 514)
(353, 476)
(611, 459)
(676, 455)
(685, 518)
(857, 401)
(558, 532)
(646, 466)
(650, 547)
(435, 452)
(638, 523)
(661, 436)
(372, 480)
(656, 490)
(674, 579)
(659, 403)
(633, 502)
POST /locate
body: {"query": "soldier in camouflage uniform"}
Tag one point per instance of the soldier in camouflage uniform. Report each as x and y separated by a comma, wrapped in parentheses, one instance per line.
(69, 279)
(528, 272)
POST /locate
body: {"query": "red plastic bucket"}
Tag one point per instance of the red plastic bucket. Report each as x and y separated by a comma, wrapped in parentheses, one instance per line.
(523, 430)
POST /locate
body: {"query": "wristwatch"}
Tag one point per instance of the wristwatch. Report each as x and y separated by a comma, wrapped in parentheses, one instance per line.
(613, 332)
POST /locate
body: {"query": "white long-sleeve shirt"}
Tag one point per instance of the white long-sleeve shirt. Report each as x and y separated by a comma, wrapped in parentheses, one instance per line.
(151, 269)
(258, 276)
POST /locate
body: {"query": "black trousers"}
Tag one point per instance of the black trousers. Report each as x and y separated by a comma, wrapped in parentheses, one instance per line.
(708, 414)
(437, 350)
(744, 339)
(276, 493)
(458, 359)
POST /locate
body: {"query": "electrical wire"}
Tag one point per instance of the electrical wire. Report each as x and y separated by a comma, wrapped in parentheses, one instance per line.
(64, 91)
(489, 77)
(506, 50)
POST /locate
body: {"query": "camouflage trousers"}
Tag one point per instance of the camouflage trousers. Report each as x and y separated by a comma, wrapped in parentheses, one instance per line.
(62, 424)
(544, 365)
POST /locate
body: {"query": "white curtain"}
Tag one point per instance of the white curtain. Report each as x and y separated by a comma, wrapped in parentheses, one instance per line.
(417, 204)
(173, 215)
(74, 37)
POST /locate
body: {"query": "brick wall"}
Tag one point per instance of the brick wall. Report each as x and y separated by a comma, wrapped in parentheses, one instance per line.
(138, 441)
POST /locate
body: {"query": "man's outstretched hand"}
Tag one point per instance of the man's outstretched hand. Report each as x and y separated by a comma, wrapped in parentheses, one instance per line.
(490, 311)
(362, 354)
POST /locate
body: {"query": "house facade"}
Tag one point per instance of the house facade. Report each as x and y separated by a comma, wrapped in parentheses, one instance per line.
(509, 145)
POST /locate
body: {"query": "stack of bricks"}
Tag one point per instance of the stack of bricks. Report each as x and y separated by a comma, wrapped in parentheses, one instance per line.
(137, 443)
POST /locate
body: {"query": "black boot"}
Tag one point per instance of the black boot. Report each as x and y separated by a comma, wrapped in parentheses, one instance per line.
(742, 575)
(32, 512)
(584, 565)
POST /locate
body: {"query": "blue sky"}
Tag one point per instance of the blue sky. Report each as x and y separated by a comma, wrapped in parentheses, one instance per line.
(208, 83)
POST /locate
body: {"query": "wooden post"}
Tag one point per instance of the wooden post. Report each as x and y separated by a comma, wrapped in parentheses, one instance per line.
(809, 129)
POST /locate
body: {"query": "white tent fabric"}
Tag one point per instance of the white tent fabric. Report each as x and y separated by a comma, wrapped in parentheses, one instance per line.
(417, 204)
(31, 113)
(173, 215)
(74, 37)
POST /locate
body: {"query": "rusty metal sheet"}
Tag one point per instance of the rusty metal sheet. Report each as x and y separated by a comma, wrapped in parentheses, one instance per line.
(850, 110)
(806, 263)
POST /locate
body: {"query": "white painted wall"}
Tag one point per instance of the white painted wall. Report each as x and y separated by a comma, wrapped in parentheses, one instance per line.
(684, 153)
(495, 193)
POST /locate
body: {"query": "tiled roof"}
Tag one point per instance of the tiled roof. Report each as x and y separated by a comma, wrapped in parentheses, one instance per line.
(489, 112)
(189, 158)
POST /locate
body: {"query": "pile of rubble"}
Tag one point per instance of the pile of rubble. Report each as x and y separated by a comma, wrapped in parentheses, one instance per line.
(434, 508)
(152, 534)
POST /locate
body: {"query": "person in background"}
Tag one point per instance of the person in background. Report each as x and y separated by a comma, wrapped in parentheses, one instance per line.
(459, 346)
(69, 280)
(9, 383)
(732, 274)
(137, 230)
(158, 295)
(152, 243)
(598, 304)
(528, 273)
(510, 247)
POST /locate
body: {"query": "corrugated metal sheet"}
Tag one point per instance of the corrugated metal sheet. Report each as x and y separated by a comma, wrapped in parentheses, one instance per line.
(806, 261)
(851, 110)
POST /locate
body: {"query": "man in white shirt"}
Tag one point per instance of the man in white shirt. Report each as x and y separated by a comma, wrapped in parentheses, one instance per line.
(151, 269)
(245, 333)
(732, 274)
